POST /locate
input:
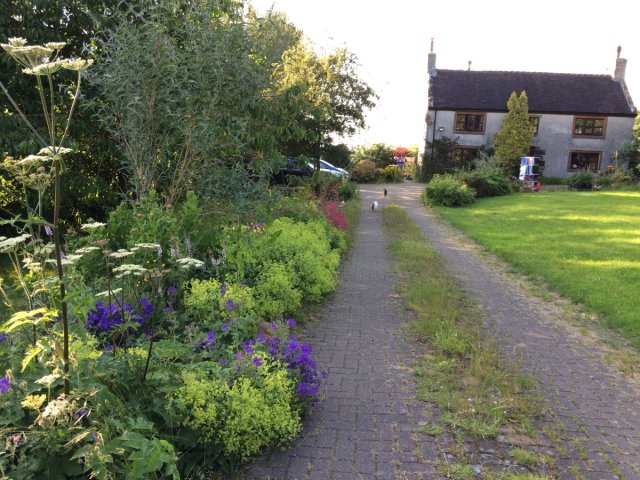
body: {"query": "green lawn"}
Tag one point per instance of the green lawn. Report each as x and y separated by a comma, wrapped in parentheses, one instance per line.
(586, 245)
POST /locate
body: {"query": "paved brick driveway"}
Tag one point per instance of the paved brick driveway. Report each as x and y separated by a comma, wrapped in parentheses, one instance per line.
(365, 428)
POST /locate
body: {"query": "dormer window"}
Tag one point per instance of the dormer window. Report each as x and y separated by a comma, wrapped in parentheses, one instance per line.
(589, 126)
(469, 122)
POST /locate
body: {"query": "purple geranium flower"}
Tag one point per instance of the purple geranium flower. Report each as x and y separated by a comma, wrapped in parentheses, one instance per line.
(291, 323)
(257, 361)
(3, 337)
(5, 385)
(223, 289)
(229, 305)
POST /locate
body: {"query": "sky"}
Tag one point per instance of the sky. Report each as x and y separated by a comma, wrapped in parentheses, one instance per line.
(392, 40)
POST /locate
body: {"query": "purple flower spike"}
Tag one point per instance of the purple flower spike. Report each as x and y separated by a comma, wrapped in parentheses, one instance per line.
(224, 327)
(229, 305)
(5, 385)
(223, 289)
(48, 231)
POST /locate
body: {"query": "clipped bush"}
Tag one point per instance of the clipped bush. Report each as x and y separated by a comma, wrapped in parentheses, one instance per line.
(486, 183)
(448, 191)
(581, 181)
(364, 172)
(552, 180)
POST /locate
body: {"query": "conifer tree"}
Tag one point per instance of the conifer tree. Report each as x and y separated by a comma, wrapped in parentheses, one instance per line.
(514, 138)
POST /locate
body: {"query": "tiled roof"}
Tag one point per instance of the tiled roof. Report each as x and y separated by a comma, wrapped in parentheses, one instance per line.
(547, 92)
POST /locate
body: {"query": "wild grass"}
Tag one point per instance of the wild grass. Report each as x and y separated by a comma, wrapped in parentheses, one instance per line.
(478, 393)
(584, 245)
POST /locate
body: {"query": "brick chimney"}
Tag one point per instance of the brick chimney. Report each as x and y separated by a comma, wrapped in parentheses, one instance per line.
(621, 66)
(432, 62)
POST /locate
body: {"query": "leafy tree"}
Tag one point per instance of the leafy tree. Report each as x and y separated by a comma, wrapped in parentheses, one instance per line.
(338, 155)
(179, 92)
(379, 153)
(332, 98)
(514, 138)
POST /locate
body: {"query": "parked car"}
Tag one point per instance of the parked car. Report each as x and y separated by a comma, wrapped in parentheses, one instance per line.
(326, 167)
(291, 167)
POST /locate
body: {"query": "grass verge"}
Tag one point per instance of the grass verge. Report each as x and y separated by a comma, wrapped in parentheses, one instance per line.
(584, 245)
(477, 392)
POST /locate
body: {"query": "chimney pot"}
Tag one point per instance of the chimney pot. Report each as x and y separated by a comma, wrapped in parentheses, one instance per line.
(431, 63)
(621, 66)
(469, 66)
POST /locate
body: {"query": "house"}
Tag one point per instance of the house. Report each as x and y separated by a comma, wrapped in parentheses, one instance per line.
(580, 120)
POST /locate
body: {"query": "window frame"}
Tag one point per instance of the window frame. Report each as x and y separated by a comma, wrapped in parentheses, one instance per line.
(466, 148)
(536, 126)
(466, 114)
(577, 152)
(576, 118)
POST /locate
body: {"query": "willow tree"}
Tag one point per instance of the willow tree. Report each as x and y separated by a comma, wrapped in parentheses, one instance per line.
(514, 138)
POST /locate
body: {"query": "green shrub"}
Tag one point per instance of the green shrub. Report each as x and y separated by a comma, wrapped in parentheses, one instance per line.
(552, 180)
(306, 251)
(448, 191)
(364, 172)
(390, 173)
(275, 293)
(623, 176)
(298, 205)
(347, 191)
(239, 417)
(205, 302)
(486, 183)
(581, 181)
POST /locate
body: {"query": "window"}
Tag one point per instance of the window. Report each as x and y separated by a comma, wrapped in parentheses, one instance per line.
(469, 122)
(584, 161)
(535, 122)
(588, 127)
(464, 154)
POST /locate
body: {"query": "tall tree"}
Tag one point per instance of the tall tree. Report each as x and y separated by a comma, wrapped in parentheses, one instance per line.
(514, 138)
(179, 91)
(333, 97)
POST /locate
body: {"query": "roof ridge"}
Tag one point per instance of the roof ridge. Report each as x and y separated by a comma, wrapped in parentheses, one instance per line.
(526, 72)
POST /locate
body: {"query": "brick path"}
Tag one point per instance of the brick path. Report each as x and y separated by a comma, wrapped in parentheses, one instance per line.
(364, 427)
(599, 407)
